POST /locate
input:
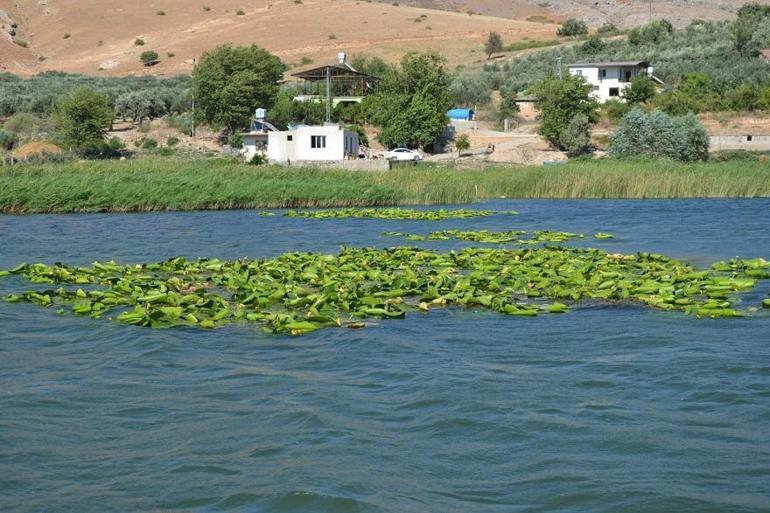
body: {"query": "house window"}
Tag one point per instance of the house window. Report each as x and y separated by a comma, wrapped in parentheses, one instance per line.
(614, 91)
(289, 137)
(579, 72)
(749, 138)
(602, 73)
(318, 141)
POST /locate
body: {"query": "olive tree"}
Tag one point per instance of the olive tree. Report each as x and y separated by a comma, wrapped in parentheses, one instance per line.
(493, 44)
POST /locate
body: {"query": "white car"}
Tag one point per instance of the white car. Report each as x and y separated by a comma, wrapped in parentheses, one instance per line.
(402, 154)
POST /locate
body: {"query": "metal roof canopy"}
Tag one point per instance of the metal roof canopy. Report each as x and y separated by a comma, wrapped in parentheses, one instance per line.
(333, 71)
(608, 64)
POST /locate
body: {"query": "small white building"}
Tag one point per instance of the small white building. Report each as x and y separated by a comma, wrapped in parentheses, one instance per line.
(609, 79)
(312, 144)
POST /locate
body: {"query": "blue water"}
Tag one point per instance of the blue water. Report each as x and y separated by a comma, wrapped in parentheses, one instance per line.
(602, 409)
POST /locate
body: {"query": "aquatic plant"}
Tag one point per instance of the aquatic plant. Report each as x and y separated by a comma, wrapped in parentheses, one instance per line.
(505, 237)
(301, 292)
(395, 213)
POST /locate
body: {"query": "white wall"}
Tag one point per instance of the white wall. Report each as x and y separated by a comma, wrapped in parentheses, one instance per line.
(614, 78)
(296, 145)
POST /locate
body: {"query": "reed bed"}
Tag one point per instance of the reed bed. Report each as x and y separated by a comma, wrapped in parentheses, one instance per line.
(217, 184)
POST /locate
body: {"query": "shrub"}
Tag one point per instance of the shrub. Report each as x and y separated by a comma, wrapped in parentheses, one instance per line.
(67, 35)
(161, 13)
(656, 136)
(21, 42)
(593, 45)
(116, 144)
(332, 36)
(206, 8)
(240, 12)
(615, 109)
(138, 41)
(575, 138)
(149, 57)
(172, 141)
(182, 122)
(257, 160)
(462, 143)
(641, 90)
(7, 139)
(305, 60)
(607, 29)
(148, 143)
(572, 27)
(652, 33)
(23, 125)
(170, 54)
(235, 140)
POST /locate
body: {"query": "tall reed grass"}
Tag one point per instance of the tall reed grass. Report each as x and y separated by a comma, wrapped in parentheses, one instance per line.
(171, 184)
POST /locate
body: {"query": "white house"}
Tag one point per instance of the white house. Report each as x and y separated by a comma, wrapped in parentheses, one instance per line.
(609, 79)
(312, 144)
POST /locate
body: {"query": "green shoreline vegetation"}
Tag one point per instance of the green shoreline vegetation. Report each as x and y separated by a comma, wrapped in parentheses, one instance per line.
(216, 184)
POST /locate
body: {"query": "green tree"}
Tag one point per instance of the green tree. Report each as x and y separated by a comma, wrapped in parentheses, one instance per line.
(230, 82)
(572, 27)
(642, 89)
(559, 101)
(575, 138)
(658, 136)
(493, 44)
(411, 101)
(149, 57)
(82, 118)
(470, 90)
(593, 46)
(462, 143)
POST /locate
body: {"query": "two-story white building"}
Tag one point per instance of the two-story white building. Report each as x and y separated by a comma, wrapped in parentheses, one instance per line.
(320, 143)
(609, 79)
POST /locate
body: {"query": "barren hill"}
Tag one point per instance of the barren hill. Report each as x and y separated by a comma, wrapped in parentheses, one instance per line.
(100, 36)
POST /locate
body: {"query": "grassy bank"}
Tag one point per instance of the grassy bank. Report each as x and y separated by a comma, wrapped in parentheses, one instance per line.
(167, 184)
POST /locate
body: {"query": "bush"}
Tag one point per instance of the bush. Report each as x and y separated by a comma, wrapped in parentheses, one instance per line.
(240, 12)
(305, 60)
(138, 41)
(161, 13)
(148, 143)
(182, 122)
(615, 109)
(172, 141)
(235, 140)
(116, 144)
(593, 45)
(462, 143)
(7, 139)
(572, 27)
(607, 29)
(652, 33)
(575, 138)
(656, 136)
(257, 160)
(149, 58)
(641, 90)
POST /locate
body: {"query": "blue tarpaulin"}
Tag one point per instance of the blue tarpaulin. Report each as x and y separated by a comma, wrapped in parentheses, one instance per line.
(463, 114)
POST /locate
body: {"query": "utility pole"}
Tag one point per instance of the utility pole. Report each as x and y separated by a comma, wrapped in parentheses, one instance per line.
(650, 19)
(328, 95)
(558, 66)
(192, 126)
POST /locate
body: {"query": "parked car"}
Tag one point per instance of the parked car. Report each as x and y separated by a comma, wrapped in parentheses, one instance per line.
(402, 154)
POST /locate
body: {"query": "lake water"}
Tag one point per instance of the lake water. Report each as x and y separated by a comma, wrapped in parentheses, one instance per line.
(603, 409)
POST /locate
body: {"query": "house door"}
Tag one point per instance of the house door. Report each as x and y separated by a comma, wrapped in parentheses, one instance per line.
(628, 76)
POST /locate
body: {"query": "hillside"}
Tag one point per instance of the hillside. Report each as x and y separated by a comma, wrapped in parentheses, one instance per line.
(622, 13)
(98, 36)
